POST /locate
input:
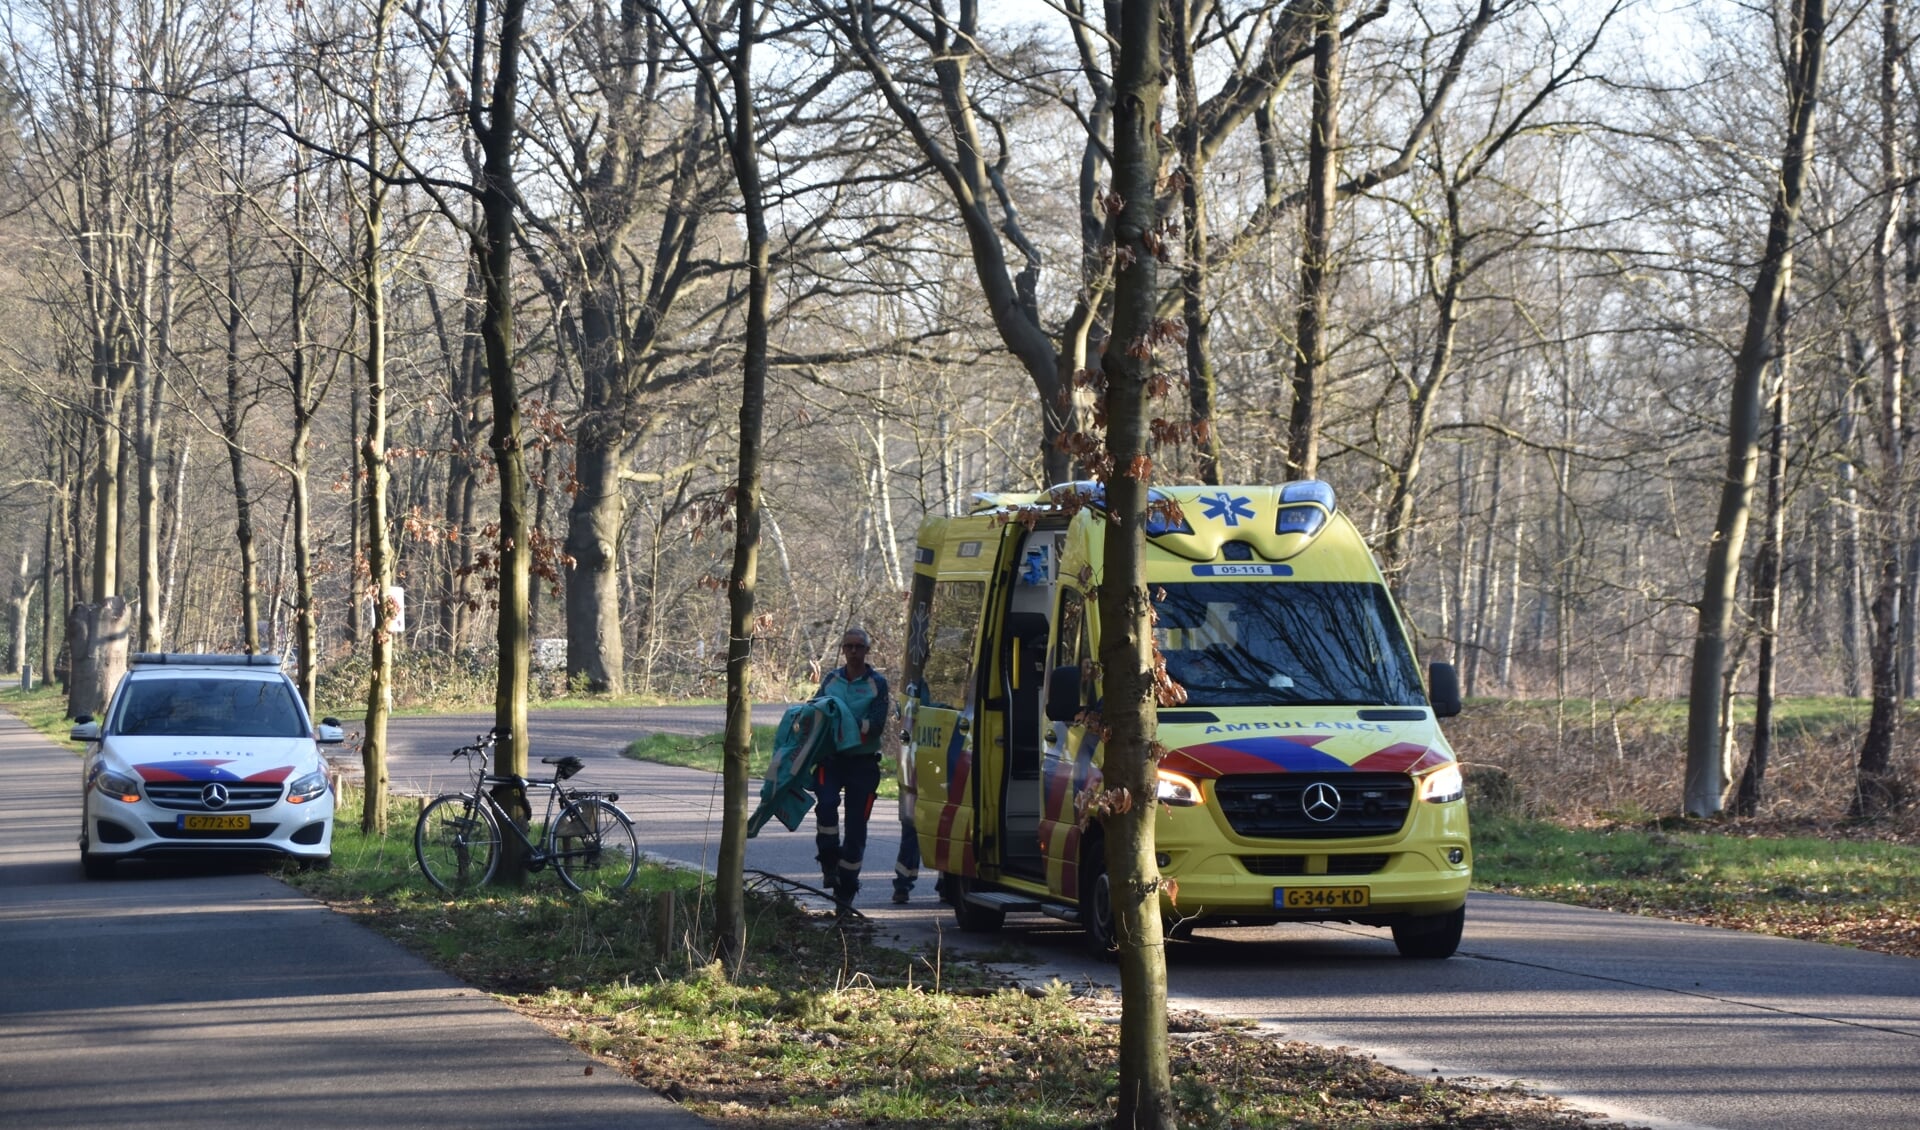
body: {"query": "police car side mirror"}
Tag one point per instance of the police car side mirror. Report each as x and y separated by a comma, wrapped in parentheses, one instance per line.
(1063, 694)
(330, 732)
(85, 729)
(1443, 689)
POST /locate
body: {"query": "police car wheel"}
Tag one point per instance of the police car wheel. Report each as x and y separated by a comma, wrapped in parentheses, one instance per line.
(96, 866)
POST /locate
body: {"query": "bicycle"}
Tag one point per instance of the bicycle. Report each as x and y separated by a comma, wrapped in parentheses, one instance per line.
(590, 844)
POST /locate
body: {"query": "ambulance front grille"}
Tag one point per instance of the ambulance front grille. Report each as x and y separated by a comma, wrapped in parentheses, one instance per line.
(1286, 806)
(1281, 865)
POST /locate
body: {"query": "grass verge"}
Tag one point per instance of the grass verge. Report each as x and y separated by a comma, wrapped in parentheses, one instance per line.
(1863, 893)
(706, 753)
(44, 708)
(822, 1026)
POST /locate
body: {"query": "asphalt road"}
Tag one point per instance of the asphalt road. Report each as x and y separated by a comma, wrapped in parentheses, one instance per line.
(1656, 1023)
(219, 999)
(174, 998)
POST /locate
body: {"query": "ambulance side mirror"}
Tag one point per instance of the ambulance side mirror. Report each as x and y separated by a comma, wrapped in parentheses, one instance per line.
(1443, 689)
(1063, 694)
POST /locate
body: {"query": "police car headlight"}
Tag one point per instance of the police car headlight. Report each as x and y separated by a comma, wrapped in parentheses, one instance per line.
(117, 786)
(1443, 784)
(310, 787)
(1176, 790)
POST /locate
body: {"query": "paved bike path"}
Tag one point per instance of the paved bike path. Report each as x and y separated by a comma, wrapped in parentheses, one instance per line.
(207, 999)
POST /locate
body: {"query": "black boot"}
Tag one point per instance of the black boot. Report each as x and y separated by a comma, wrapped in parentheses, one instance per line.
(828, 854)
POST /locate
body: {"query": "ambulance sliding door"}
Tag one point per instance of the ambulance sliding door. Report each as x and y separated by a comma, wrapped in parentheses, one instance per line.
(947, 802)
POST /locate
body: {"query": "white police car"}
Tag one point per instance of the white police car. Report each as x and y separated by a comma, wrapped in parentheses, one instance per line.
(205, 755)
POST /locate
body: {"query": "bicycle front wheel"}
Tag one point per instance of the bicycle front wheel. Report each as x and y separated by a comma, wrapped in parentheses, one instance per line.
(457, 842)
(593, 847)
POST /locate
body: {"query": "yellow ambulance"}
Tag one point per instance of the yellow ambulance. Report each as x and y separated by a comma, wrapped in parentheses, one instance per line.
(1306, 778)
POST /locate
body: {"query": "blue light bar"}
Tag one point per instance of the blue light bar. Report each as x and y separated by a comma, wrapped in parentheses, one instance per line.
(1304, 507)
(1307, 490)
(190, 659)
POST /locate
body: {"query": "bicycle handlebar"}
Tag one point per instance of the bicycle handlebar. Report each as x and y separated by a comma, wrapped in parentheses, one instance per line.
(482, 743)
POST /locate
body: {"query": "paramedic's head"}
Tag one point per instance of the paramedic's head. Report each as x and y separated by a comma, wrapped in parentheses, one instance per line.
(854, 643)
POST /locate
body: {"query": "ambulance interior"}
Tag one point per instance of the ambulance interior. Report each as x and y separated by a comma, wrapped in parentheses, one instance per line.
(1022, 671)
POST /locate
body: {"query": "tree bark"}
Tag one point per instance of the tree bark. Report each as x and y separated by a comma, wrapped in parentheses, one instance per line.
(596, 648)
(1193, 264)
(1706, 769)
(232, 421)
(496, 132)
(1145, 1099)
(742, 590)
(1316, 254)
(1766, 590)
(1875, 788)
(373, 457)
(97, 635)
(20, 607)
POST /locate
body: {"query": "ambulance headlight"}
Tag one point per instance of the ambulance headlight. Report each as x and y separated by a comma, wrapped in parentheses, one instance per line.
(1176, 790)
(1443, 784)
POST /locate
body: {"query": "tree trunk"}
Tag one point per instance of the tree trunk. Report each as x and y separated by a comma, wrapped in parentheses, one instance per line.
(1145, 1099)
(730, 904)
(1316, 254)
(1853, 584)
(1766, 590)
(1193, 265)
(1875, 787)
(373, 458)
(97, 635)
(1420, 400)
(21, 605)
(231, 422)
(170, 561)
(306, 627)
(47, 543)
(1707, 776)
(596, 649)
(494, 250)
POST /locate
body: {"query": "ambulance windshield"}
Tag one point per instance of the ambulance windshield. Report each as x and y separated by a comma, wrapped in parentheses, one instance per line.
(1297, 643)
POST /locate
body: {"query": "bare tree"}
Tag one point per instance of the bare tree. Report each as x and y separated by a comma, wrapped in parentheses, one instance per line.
(1707, 774)
(742, 590)
(1875, 788)
(1127, 654)
(953, 139)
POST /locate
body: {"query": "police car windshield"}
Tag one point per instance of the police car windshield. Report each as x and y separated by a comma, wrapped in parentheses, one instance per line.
(1295, 643)
(187, 706)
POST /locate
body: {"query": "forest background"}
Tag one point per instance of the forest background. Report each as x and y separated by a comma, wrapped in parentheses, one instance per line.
(1519, 324)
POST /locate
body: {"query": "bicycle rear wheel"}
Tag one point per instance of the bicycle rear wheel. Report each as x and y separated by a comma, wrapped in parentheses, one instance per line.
(593, 847)
(457, 842)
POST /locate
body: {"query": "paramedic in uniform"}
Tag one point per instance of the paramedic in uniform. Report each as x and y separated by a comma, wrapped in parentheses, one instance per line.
(850, 773)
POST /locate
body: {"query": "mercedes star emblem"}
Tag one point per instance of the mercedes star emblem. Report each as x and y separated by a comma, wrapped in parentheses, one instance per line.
(1321, 802)
(215, 795)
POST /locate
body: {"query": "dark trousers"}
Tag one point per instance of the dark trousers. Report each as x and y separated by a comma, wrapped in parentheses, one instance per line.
(852, 780)
(906, 866)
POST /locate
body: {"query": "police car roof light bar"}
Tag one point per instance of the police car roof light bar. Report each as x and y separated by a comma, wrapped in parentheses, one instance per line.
(191, 659)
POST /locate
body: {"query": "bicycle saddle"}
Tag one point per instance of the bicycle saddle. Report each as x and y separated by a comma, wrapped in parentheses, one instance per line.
(565, 767)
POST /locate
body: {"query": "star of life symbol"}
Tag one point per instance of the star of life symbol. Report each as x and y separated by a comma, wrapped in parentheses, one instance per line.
(1230, 507)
